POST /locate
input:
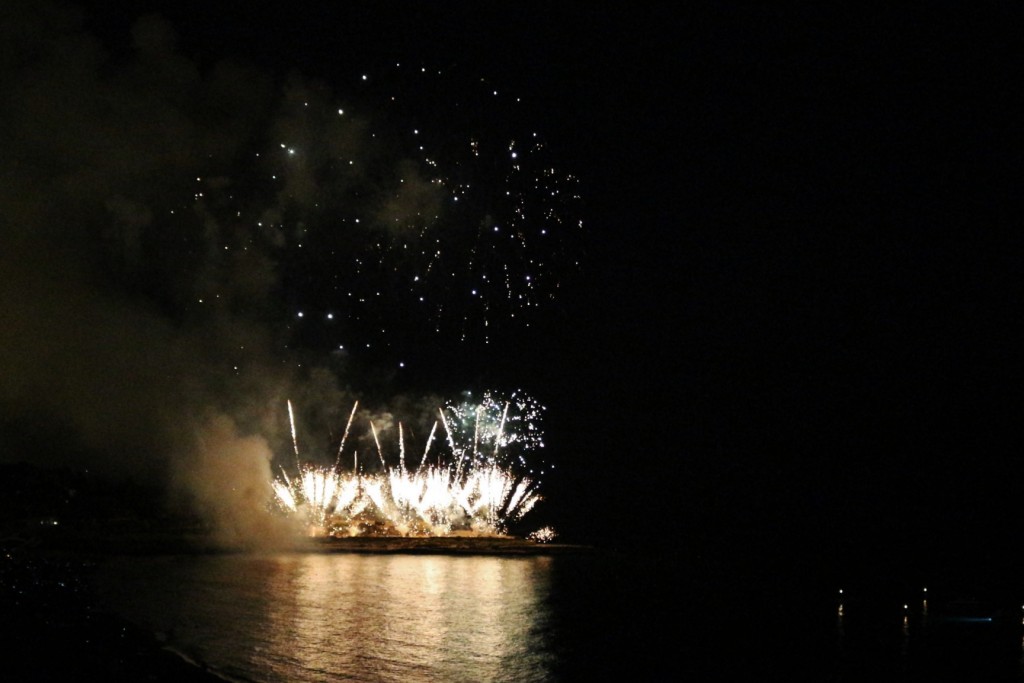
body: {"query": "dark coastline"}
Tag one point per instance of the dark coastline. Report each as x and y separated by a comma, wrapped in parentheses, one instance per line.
(52, 628)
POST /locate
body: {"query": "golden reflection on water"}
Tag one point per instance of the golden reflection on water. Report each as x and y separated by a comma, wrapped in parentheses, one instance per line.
(361, 617)
(403, 617)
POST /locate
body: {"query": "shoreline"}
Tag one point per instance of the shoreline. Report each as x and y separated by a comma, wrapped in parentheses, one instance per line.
(444, 545)
(50, 608)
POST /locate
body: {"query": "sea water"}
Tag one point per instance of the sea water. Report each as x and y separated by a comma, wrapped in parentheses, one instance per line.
(325, 617)
(317, 617)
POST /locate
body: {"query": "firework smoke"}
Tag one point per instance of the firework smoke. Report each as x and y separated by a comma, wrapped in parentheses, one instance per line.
(162, 222)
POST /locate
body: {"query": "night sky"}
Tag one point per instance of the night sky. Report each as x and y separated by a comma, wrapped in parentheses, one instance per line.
(788, 320)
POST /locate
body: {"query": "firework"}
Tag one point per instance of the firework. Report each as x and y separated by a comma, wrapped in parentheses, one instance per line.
(476, 489)
(412, 195)
(479, 224)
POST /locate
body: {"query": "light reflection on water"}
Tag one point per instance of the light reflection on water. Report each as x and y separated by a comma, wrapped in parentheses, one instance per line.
(346, 617)
(328, 617)
(962, 640)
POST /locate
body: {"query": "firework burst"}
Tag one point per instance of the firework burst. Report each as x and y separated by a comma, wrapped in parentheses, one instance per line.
(414, 195)
(478, 485)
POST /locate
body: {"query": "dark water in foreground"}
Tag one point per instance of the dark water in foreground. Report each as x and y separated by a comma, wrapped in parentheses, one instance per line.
(320, 617)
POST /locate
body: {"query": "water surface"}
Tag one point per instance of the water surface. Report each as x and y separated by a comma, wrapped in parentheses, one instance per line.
(324, 617)
(309, 617)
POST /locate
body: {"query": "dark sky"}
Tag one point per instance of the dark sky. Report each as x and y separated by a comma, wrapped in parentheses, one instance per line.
(794, 321)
